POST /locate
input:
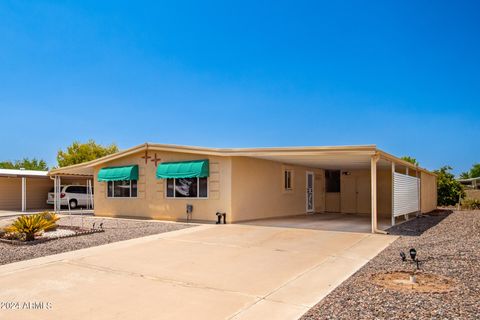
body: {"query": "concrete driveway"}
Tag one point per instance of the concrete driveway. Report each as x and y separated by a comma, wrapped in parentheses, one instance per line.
(204, 272)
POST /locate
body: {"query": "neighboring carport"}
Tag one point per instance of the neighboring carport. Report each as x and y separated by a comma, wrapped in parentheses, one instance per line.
(22, 190)
(27, 190)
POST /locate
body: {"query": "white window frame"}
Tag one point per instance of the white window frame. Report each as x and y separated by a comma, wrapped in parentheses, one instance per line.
(180, 198)
(113, 190)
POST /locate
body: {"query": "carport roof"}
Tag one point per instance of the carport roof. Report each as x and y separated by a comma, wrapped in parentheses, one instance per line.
(326, 157)
(18, 173)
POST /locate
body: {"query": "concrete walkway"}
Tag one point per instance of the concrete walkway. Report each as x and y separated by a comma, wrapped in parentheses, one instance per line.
(204, 272)
(328, 221)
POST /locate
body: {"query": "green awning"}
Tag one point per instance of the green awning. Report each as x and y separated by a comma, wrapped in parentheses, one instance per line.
(185, 169)
(118, 173)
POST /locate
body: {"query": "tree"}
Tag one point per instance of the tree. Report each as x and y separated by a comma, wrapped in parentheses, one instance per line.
(410, 159)
(82, 152)
(474, 172)
(449, 190)
(25, 163)
(465, 175)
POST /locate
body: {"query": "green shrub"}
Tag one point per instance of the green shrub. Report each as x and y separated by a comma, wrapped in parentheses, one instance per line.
(449, 190)
(471, 204)
(50, 216)
(29, 226)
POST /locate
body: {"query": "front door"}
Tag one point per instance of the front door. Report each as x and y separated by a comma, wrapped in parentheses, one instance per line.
(310, 204)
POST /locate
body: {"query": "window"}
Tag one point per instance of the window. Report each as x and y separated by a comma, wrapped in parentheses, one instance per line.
(122, 189)
(332, 180)
(287, 180)
(187, 188)
(76, 189)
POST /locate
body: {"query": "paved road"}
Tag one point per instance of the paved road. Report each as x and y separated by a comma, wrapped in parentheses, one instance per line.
(204, 272)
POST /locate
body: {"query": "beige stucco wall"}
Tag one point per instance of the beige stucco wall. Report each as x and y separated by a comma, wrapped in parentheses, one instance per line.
(258, 191)
(428, 192)
(384, 192)
(472, 194)
(10, 193)
(37, 192)
(151, 201)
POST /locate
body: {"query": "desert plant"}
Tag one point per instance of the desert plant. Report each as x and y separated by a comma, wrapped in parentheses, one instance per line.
(29, 226)
(471, 204)
(50, 216)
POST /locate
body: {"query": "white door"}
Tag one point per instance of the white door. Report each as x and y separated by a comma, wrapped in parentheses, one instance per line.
(309, 195)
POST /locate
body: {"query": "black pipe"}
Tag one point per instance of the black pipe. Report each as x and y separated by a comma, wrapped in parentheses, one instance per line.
(221, 215)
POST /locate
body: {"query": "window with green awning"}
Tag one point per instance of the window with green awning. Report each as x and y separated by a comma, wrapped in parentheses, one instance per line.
(118, 173)
(184, 169)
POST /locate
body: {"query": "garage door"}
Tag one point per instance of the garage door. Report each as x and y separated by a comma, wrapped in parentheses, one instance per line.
(405, 194)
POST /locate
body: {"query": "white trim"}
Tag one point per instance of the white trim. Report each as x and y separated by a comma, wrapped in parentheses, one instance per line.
(23, 173)
(307, 173)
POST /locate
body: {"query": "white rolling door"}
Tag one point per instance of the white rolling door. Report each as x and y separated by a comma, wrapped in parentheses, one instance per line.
(405, 194)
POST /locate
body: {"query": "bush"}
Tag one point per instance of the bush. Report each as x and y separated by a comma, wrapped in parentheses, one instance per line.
(29, 226)
(50, 216)
(471, 204)
(449, 190)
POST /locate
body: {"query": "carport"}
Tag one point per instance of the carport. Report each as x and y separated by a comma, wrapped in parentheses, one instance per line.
(22, 190)
(356, 186)
(66, 178)
(27, 190)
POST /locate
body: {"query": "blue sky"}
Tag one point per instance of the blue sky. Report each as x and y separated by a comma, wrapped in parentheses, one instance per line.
(402, 75)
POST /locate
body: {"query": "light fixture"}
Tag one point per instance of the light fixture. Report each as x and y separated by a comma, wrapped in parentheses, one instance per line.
(402, 254)
(413, 254)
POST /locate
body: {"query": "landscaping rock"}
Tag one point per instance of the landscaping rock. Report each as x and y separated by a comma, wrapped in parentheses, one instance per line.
(115, 230)
(447, 244)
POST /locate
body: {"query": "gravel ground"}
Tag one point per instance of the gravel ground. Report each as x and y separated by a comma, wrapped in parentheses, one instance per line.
(450, 246)
(115, 230)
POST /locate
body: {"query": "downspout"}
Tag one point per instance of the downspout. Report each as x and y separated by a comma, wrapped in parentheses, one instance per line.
(373, 173)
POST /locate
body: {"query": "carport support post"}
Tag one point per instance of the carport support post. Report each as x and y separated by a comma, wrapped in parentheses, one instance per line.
(373, 173)
(56, 195)
(24, 193)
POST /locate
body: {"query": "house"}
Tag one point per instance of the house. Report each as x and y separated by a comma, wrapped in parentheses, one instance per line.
(158, 181)
(472, 187)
